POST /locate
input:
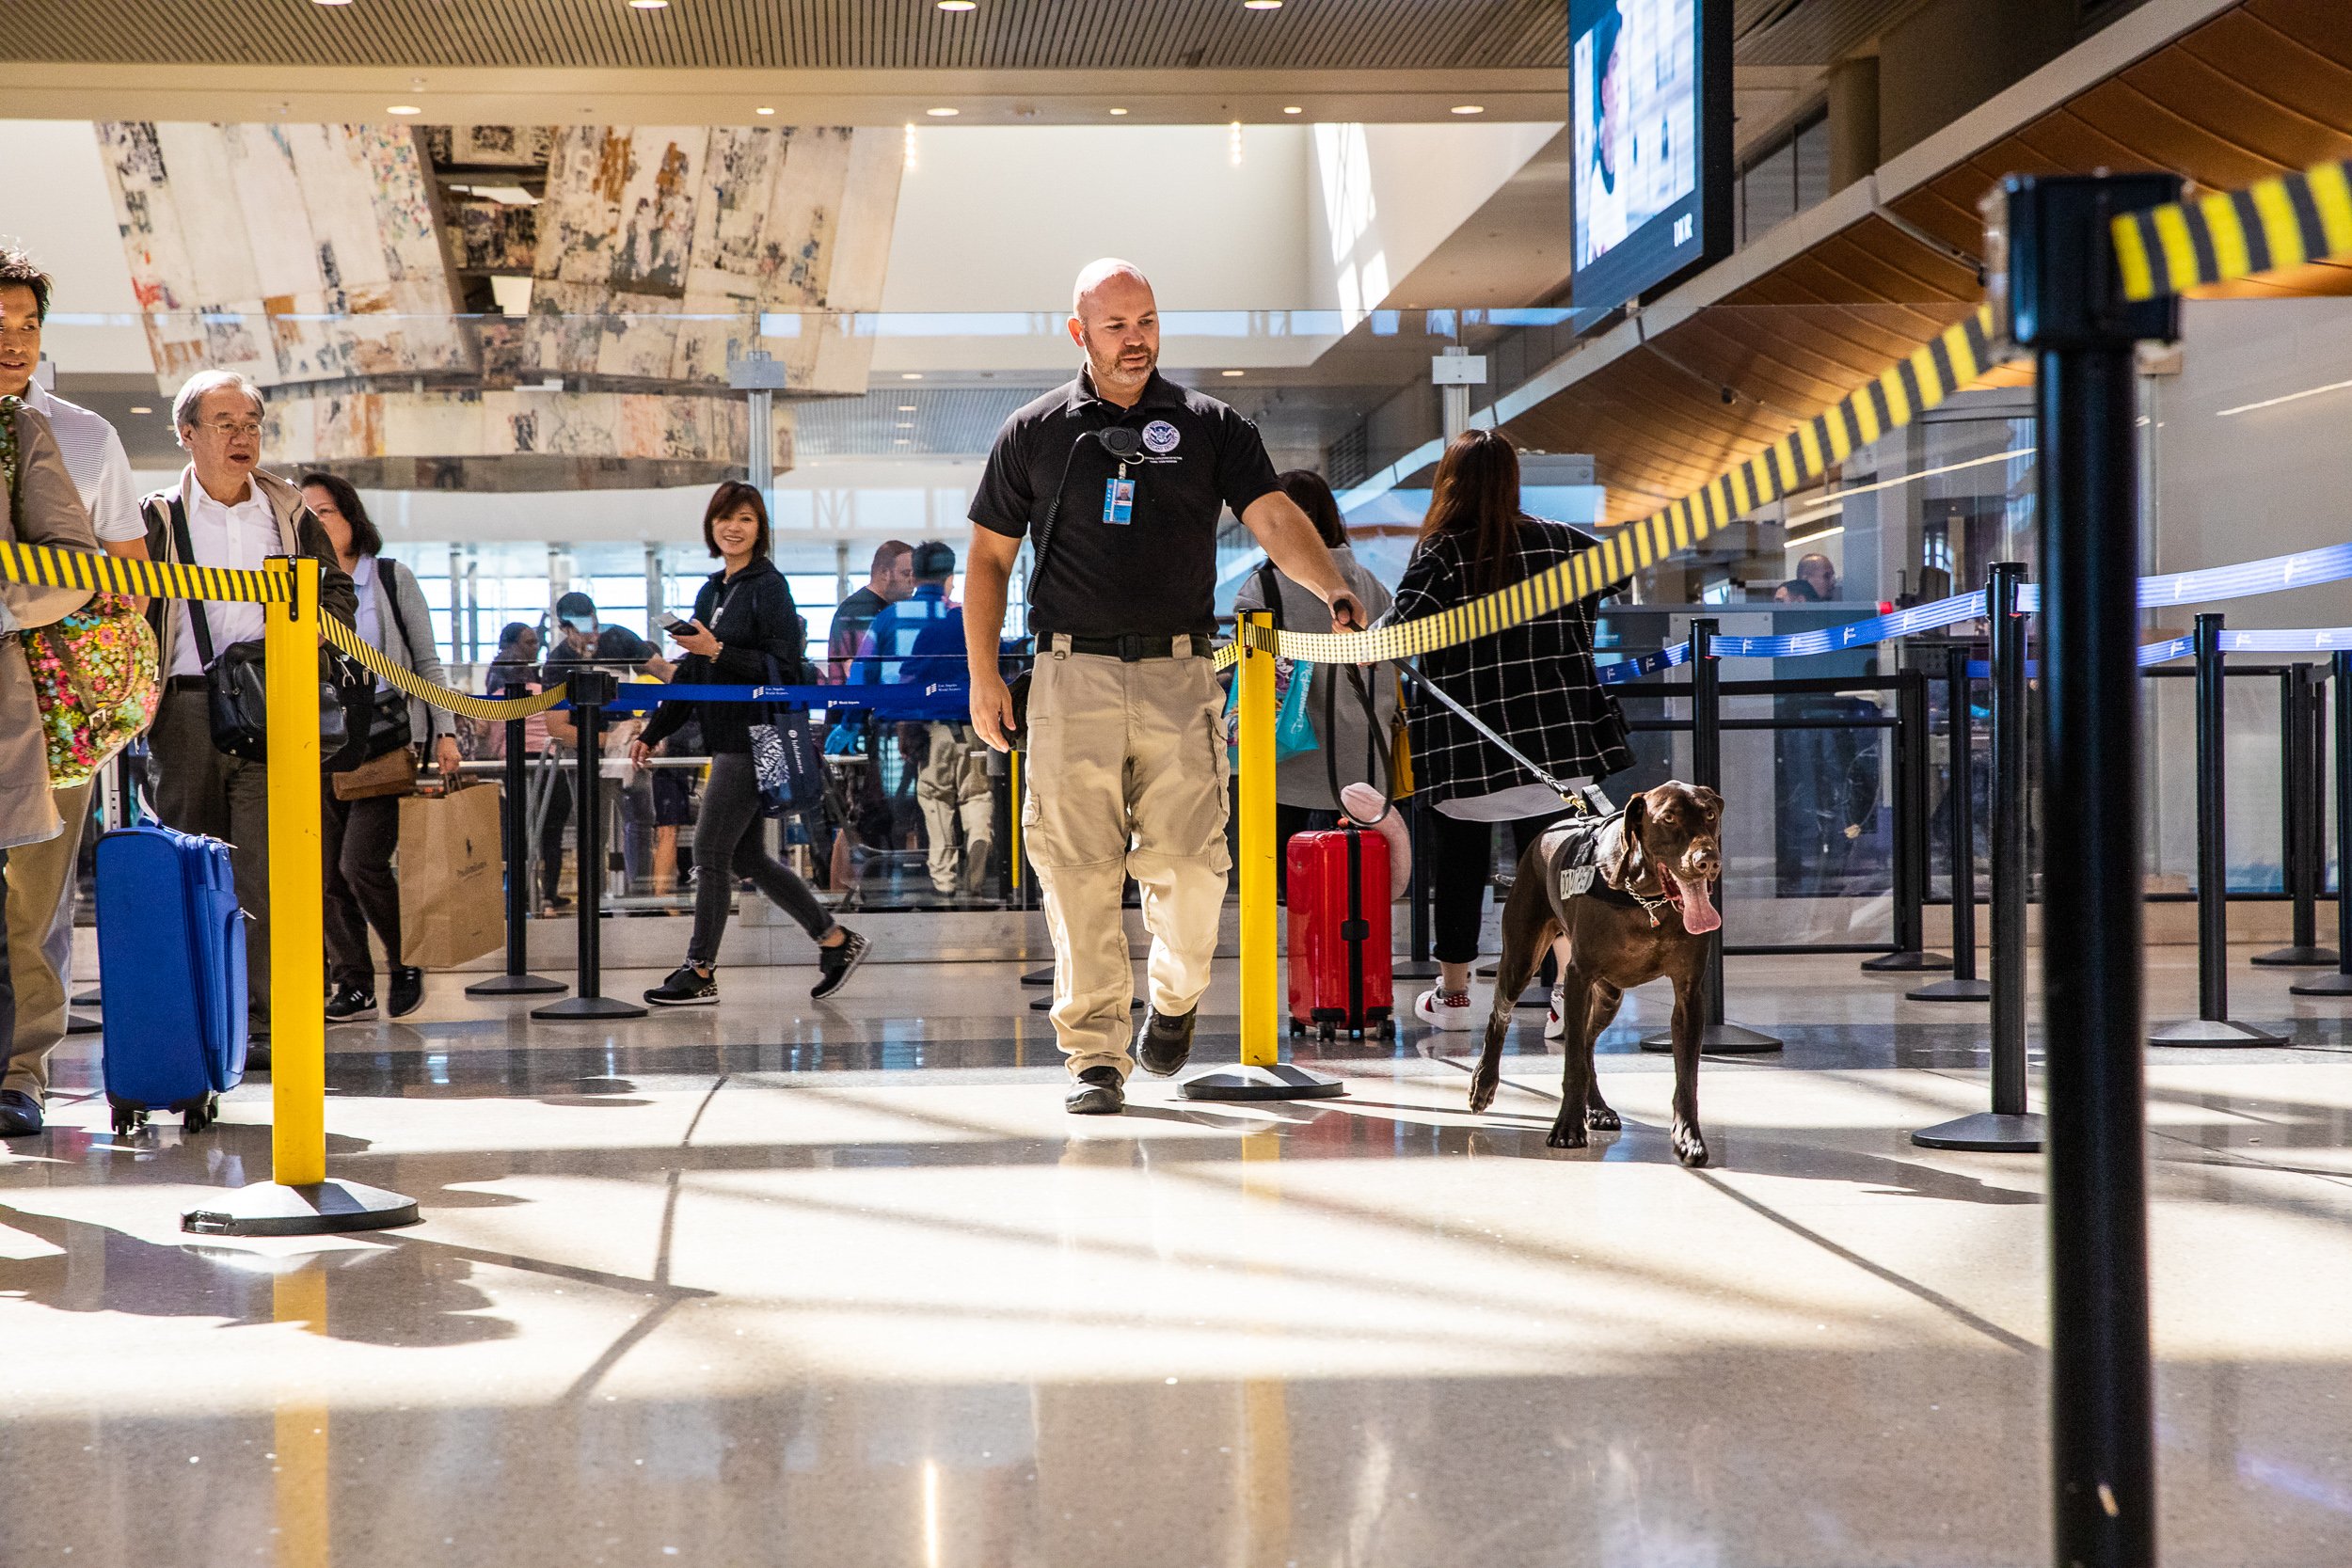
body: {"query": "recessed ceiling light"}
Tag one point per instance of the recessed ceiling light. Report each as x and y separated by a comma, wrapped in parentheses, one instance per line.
(1229, 373)
(1292, 109)
(1469, 109)
(899, 441)
(331, 2)
(958, 5)
(942, 113)
(1262, 4)
(404, 109)
(910, 375)
(1119, 111)
(763, 109)
(649, 5)
(141, 407)
(906, 409)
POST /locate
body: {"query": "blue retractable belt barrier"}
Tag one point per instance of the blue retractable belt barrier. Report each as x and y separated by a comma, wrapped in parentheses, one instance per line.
(2304, 569)
(937, 702)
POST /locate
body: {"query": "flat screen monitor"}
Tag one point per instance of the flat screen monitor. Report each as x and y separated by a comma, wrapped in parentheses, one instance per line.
(1650, 94)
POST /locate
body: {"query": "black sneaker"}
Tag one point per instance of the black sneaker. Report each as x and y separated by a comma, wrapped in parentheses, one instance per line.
(19, 1114)
(686, 987)
(1164, 1044)
(408, 993)
(350, 1002)
(257, 1055)
(836, 964)
(1097, 1093)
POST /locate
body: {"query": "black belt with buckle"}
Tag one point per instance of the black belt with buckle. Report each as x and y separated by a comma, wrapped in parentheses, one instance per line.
(1131, 650)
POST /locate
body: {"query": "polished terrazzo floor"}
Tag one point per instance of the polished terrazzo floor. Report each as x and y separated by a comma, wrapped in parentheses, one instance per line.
(840, 1284)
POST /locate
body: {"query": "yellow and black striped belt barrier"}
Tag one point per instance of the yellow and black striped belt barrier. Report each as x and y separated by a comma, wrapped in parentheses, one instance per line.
(352, 643)
(2285, 221)
(1901, 394)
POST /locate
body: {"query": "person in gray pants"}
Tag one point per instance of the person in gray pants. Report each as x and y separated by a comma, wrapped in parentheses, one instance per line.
(745, 631)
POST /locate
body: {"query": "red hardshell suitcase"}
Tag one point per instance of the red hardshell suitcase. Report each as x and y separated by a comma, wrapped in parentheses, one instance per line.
(1341, 975)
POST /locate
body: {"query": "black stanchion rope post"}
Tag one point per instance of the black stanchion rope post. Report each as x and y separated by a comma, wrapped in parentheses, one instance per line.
(2303, 781)
(2340, 983)
(2053, 274)
(513, 821)
(590, 691)
(2212, 1025)
(1959, 822)
(2007, 1128)
(1910, 833)
(1718, 1036)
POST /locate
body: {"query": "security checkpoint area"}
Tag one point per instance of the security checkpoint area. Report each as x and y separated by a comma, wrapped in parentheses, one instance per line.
(798, 1076)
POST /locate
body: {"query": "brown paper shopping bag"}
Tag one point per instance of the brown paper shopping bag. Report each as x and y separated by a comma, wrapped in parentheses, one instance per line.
(452, 908)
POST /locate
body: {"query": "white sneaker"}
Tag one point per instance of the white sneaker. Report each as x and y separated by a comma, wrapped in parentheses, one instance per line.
(1440, 1011)
(1555, 1022)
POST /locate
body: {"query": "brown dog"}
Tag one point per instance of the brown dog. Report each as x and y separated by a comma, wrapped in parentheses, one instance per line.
(1629, 898)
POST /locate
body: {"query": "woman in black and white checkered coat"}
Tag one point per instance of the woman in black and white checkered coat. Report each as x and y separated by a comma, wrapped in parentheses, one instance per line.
(1534, 685)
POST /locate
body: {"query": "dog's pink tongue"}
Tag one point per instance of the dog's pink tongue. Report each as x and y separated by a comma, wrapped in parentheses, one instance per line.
(1698, 909)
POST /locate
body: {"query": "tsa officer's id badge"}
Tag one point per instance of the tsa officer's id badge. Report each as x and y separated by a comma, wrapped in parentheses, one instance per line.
(1119, 501)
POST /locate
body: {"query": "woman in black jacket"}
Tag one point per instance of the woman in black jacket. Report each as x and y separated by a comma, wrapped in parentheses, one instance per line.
(1534, 685)
(746, 632)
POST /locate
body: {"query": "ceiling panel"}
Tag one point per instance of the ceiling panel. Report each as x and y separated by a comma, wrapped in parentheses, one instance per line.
(892, 35)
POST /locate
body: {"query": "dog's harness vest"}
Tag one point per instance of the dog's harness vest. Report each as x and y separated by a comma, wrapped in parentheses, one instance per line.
(1582, 845)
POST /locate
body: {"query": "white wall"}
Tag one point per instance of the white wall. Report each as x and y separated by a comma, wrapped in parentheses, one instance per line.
(53, 201)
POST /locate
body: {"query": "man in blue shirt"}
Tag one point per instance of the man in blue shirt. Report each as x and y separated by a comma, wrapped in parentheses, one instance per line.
(918, 642)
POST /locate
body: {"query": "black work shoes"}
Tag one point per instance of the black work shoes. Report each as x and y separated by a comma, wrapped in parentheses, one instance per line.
(1097, 1093)
(1164, 1044)
(19, 1113)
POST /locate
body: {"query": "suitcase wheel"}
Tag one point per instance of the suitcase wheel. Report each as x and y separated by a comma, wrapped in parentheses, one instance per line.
(199, 1116)
(1296, 1029)
(1330, 1033)
(127, 1119)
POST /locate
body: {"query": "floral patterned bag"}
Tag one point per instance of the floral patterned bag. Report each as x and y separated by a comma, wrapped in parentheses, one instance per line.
(95, 675)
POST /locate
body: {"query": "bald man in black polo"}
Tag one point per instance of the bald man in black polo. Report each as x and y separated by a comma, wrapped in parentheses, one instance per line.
(1121, 477)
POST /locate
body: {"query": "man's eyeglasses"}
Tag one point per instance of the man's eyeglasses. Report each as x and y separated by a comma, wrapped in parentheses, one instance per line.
(231, 427)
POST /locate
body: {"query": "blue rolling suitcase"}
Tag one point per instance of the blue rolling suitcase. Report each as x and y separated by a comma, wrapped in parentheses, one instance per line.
(171, 951)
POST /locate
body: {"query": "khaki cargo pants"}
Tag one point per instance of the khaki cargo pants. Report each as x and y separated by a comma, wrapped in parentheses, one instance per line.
(1126, 777)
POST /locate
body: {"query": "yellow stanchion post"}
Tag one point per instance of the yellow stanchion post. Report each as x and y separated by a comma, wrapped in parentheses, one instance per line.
(1263, 1074)
(299, 1200)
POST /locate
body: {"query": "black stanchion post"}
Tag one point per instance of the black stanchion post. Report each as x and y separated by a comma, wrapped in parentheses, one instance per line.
(2302, 780)
(2340, 983)
(1959, 822)
(2007, 1128)
(513, 821)
(1717, 1036)
(1910, 833)
(590, 691)
(2212, 1025)
(1421, 967)
(2052, 258)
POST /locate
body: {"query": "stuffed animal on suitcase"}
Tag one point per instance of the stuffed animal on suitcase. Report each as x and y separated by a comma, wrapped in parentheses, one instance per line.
(171, 942)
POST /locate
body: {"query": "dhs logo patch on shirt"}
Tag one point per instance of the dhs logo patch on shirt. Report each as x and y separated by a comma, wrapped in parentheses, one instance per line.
(1161, 438)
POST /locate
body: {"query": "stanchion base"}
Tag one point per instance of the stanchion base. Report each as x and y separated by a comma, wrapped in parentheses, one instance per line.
(1986, 1132)
(82, 1023)
(323, 1208)
(1039, 976)
(2212, 1031)
(2298, 957)
(1904, 963)
(1410, 971)
(581, 1007)
(517, 985)
(2325, 984)
(1717, 1040)
(1279, 1082)
(1951, 990)
(93, 997)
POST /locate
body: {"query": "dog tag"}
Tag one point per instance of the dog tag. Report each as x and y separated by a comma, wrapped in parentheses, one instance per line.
(1119, 501)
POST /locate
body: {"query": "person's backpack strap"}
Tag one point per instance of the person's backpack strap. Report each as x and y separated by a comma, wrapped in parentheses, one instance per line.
(1270, 588)
(198, 621)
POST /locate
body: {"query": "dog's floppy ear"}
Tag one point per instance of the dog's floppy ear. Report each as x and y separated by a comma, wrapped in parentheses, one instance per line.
(1619, 871)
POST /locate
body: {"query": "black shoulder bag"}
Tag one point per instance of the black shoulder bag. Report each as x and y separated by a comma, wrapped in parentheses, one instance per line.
(236, 686)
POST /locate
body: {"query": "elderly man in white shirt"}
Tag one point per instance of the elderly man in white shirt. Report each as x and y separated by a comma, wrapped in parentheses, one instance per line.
(225, 511)
(36, 977)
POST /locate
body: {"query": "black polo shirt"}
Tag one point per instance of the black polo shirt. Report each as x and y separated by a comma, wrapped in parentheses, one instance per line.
(1155, 575)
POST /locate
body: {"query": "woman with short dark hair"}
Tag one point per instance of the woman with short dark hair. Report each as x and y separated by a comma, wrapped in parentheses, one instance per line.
(359, 836)
(1535, 685)
(746, 632)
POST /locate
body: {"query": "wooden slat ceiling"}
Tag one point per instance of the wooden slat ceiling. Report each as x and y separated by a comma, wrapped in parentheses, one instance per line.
(2261, 89)
(898, 35)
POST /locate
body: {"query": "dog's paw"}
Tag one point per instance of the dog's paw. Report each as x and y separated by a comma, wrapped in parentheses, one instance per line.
(1690, 1147)
(1600, 1118)
(1566, 1134)
(1482, 1088)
